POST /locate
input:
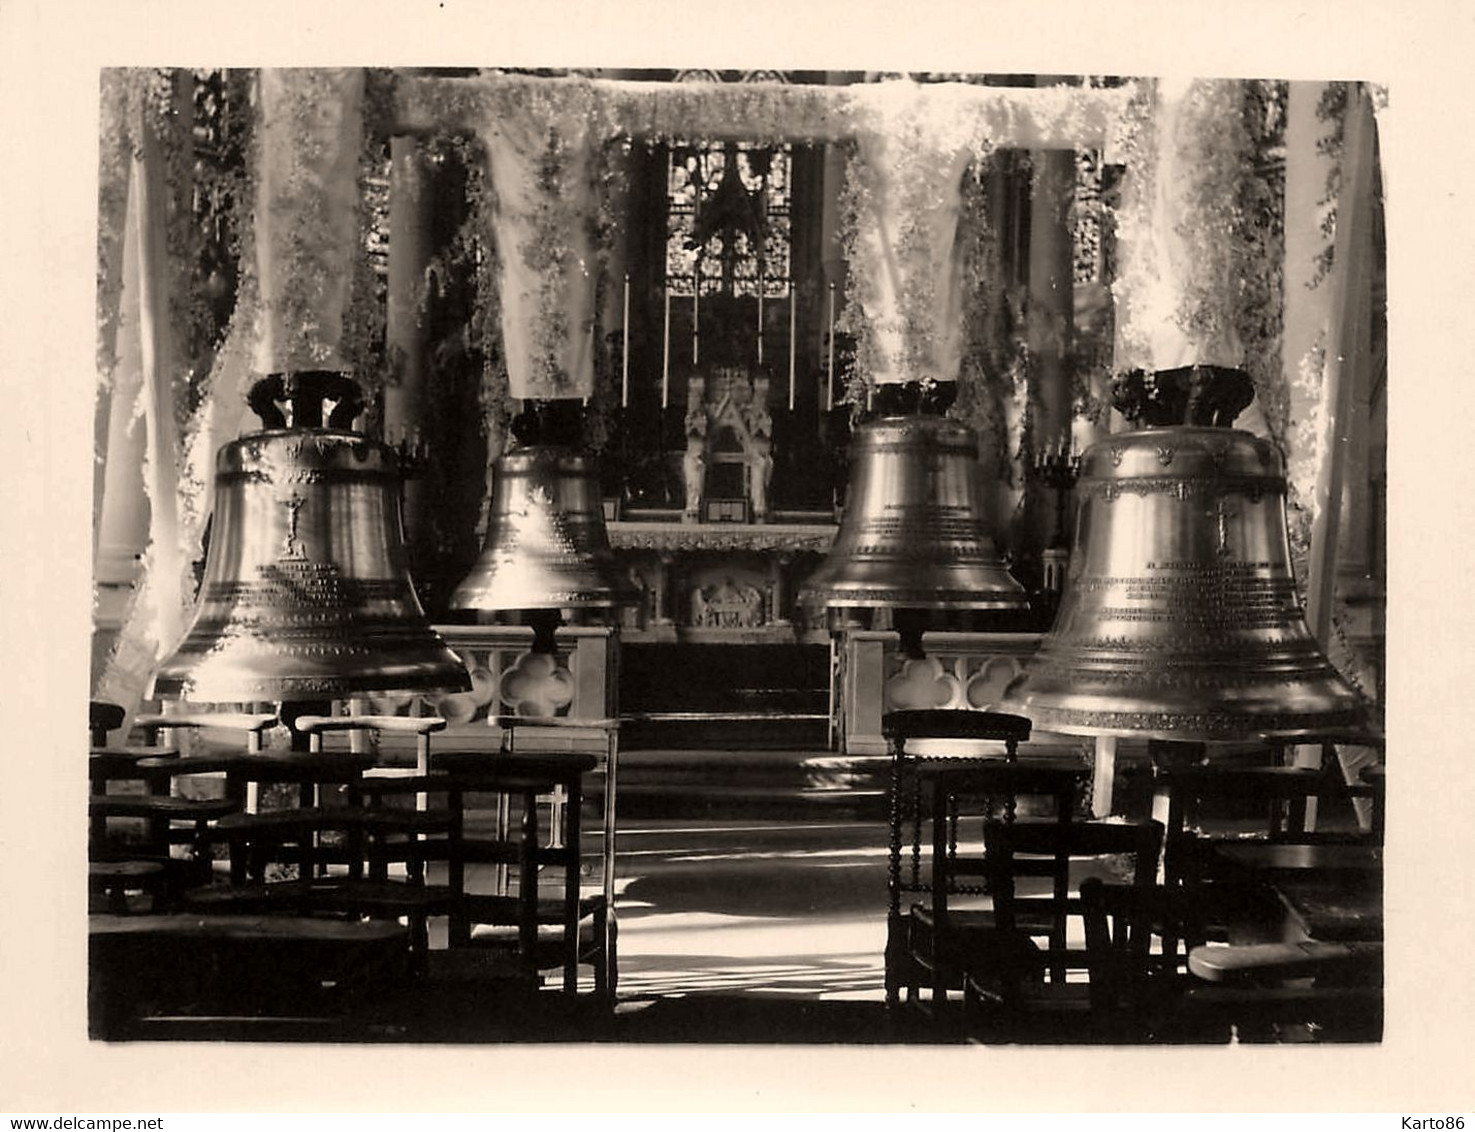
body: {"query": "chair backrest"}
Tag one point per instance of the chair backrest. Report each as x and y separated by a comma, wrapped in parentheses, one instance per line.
(981, 790)
(421, 727)
(251, 725)
(901, 727)
(1027, 851)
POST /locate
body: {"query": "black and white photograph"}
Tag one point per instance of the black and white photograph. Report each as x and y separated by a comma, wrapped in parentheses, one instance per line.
(879, 561)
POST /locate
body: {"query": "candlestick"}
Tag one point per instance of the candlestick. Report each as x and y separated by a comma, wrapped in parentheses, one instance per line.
(625, 351)
(792, 321)
(830, 359)
(696, 320)
(666, 354)
(760, 319)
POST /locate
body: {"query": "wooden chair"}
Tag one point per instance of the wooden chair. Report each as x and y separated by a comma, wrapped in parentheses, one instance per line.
(169, 819)
(119, 764)
(514, 924)
(122, 861)
(601, 737)
(341, 848)
(265, 955)
(941, 934)
(916, 738)
(1030, 979)
(1138, 939)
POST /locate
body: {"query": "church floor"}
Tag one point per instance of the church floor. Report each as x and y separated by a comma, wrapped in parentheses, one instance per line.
(732, 930)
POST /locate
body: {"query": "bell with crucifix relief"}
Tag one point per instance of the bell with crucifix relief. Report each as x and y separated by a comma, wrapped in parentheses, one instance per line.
(306, 594)
(1180, 617)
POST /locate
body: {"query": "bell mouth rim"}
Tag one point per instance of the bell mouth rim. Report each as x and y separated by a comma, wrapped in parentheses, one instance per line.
(175, 690)
(1178, 724)
(1005, 602)
(1046, 725)
(603, 603)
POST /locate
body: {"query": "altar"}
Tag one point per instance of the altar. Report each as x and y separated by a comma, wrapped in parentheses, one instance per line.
(718, 583)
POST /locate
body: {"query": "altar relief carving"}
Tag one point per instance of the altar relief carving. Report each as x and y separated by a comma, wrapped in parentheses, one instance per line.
(727, 605)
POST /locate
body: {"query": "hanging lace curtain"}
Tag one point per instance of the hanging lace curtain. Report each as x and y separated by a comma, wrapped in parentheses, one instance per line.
(904, 182)
(541, 218)
(1180, 242)
(154, 617)
(307, 213)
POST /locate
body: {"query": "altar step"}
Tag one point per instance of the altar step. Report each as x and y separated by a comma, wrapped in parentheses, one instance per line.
(726, 782)
(731, 730)
(723, 680)
(711, 730)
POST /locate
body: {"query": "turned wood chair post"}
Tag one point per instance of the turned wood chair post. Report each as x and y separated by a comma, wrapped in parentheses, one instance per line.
(527, 880)
(905, 809)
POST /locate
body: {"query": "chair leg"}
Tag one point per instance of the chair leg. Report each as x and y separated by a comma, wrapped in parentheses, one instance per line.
(571, 890)
(527, 884)
(600, 957)
(458, 928)
(606, 969)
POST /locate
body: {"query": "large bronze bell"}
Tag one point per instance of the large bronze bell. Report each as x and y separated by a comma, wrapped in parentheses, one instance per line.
(913, 535)
(306, 592)
(1180, 618)
(546, 546)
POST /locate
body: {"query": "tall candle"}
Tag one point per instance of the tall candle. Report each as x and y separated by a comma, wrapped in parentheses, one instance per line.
(666, 354)
(625, 351)
(830, 359)
(792, 321)
(760, 319)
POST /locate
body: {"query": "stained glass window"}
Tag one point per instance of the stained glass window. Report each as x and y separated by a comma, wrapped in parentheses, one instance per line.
(728, 219)
(728, 210)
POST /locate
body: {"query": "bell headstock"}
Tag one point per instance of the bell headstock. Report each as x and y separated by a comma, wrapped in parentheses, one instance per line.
(302, 400)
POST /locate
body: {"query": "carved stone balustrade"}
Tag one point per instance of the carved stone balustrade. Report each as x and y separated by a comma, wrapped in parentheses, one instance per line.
(508, 679)
(960, 670)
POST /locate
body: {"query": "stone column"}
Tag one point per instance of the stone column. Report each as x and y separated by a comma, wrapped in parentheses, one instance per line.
(1332, 315)
(1050, 319)
(832, 253)
(1307, 306)
(409, 254)
(122, 531)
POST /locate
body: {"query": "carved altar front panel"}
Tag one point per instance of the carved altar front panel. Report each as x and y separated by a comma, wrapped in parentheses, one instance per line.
(722, 582)
(729, 597)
